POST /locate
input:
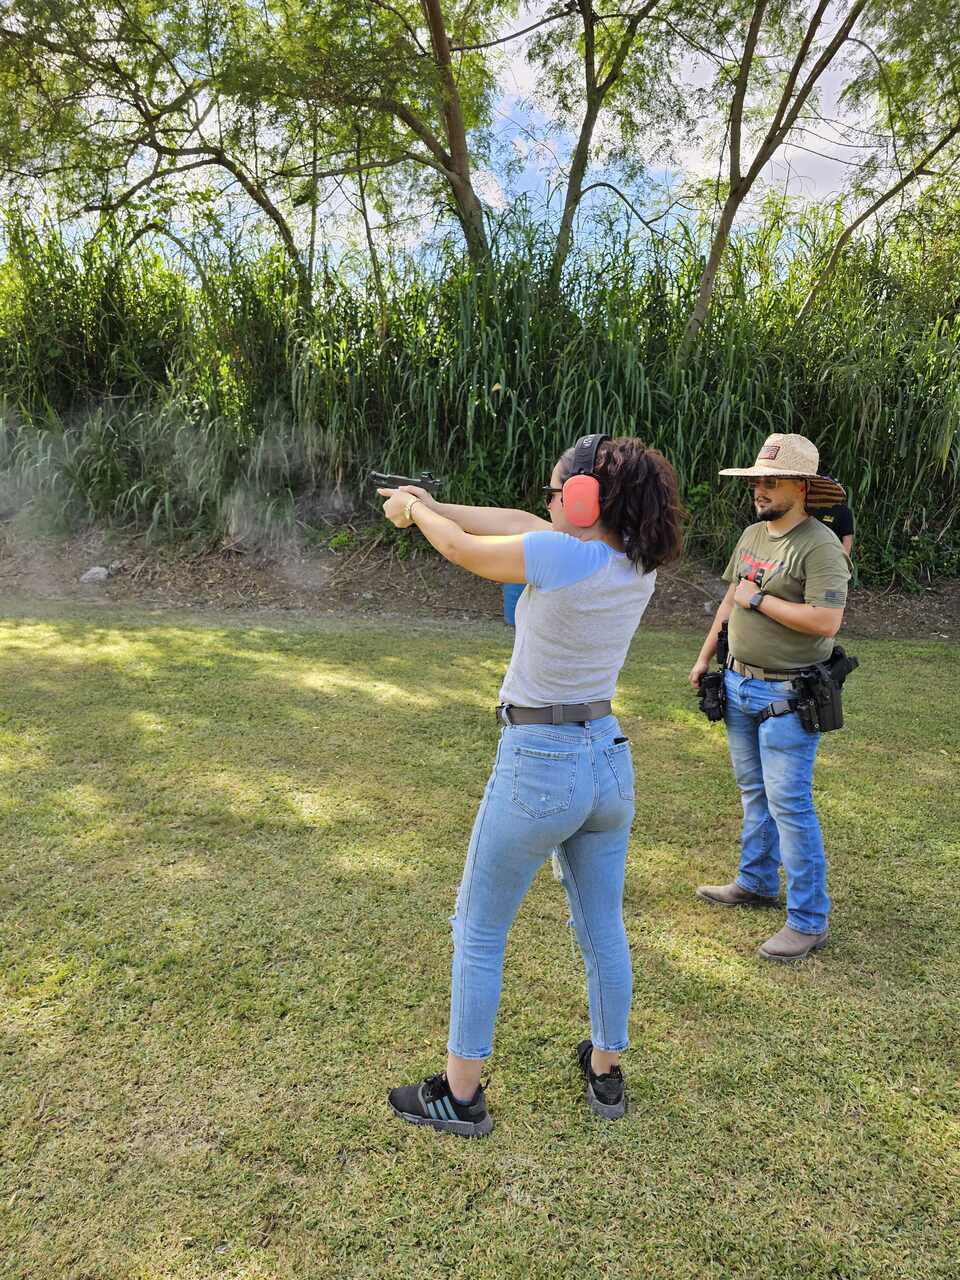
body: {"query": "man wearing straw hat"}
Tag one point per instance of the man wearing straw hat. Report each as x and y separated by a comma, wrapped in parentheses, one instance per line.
(788, 587)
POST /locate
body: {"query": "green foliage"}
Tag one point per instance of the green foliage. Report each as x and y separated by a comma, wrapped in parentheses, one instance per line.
(139, 397)
(342, 540)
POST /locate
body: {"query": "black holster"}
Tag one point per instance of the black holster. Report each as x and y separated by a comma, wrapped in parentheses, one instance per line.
(819, 702)
(711, 695)
(711, 691)
(723, 646)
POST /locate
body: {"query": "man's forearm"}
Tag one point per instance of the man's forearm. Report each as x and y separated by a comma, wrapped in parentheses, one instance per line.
(722, 615)
(809, 619)
(490, 520)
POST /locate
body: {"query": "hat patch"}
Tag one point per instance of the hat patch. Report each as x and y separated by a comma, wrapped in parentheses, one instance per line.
(768, 452)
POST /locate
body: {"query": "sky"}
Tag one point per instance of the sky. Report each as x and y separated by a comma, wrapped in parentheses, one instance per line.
(816, 166)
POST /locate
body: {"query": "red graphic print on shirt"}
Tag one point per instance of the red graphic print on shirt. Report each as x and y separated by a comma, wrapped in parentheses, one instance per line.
(754, 570)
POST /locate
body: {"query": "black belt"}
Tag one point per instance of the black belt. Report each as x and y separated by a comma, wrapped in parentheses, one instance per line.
(560, 713)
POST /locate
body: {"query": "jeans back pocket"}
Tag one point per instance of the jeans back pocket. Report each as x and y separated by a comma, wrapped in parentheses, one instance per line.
(543, 781)
(621, 765)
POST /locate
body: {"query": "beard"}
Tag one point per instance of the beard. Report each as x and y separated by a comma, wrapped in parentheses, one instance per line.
(770, 512)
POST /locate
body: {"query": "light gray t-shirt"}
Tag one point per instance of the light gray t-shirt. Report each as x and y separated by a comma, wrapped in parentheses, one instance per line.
(575, 620)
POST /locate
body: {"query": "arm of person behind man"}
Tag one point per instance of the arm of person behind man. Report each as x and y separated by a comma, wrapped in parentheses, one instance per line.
(843, 527)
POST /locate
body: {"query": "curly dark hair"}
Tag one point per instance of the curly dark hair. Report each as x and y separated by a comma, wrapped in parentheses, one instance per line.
(639, 499)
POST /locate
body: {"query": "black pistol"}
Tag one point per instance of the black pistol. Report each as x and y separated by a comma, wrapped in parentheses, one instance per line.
(385, 480)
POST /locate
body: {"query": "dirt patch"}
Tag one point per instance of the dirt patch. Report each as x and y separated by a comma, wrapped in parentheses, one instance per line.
(365, 580)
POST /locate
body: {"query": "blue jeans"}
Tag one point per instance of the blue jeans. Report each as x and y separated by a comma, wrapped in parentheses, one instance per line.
(773, 764)
(567, 787)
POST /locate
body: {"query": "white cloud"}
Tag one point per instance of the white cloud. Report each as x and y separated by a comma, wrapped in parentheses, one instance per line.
(488, 187)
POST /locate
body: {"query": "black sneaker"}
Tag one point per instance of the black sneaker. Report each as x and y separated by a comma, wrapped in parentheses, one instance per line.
(605, 1094)
(432, 1103)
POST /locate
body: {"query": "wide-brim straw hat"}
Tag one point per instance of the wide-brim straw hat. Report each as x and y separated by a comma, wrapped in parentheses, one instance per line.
(793, 457)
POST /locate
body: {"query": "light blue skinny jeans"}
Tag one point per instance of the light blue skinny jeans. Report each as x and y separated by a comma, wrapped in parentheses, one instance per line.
(773, 764)
(567, 787)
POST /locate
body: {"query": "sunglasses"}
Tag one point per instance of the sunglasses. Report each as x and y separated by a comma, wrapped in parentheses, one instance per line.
(548, 491)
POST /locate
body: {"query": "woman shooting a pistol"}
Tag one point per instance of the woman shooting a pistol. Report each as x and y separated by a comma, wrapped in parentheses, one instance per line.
(563, 777)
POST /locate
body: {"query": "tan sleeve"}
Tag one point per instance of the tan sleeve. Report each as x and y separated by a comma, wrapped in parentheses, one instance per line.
(730, 572)
(827, 572)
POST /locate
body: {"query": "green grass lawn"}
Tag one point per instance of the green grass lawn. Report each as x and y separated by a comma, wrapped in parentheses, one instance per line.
(229, 854)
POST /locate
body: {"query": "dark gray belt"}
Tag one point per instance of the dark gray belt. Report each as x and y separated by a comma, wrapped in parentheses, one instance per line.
(561, 713)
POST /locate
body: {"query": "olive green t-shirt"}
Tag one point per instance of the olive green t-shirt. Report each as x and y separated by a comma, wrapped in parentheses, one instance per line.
(805, 566)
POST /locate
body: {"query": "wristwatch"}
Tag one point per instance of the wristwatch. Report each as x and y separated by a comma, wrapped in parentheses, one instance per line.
(756, 599)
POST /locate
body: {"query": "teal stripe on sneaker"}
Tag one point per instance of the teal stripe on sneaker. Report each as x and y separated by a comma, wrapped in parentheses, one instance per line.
(451, 1114)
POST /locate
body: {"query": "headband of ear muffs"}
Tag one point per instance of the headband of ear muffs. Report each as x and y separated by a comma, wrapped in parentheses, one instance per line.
(581, 491)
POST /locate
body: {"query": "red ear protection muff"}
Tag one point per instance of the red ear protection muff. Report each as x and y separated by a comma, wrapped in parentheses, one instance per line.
(581, 492)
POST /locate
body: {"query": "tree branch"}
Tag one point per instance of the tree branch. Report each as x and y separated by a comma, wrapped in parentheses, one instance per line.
(776, 135)
(568, 10)
(740, 90)
(647, 222)
(890, 98)
(589, 48)
(620, 54)
(413, 122)
(156, 175)
(694, 44)
(411, 32)
(159, 229)
(918, 170)
(798, 62)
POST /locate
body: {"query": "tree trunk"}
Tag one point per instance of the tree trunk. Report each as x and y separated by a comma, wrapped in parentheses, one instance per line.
(470, 216)
(784, 119)
(312, 246)
(469, 209)
(705, 295)
(260, 198)
(578, 169)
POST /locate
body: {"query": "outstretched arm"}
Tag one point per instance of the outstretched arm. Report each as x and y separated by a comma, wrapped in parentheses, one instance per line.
(480, 520)
(492, 520)
(497, 557)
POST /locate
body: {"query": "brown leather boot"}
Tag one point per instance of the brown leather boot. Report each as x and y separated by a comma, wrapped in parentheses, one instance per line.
(734, 895)
(789, 944)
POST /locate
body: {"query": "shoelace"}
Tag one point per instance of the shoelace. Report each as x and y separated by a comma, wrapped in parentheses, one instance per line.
(434, 1087)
